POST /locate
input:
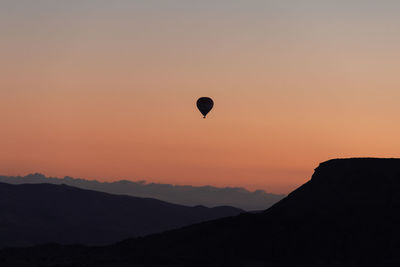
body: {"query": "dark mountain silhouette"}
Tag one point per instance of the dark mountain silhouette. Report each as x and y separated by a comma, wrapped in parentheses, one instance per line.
(208, 196)
(38, 213)
(348, 214)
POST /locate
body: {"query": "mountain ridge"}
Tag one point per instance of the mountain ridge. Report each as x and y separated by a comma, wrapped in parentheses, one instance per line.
(187, 195)
(347, 214)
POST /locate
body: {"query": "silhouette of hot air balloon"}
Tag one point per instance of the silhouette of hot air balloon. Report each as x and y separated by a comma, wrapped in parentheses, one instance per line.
(205, 104)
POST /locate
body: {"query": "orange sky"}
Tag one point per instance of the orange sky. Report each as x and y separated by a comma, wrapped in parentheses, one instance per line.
(106, 89)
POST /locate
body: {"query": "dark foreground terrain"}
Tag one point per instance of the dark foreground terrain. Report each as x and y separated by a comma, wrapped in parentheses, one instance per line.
(39, 213)
(348, 214)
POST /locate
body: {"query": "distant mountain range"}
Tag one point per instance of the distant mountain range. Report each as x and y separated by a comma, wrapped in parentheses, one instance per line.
(39, 213)
(348, 214)
(208, 196)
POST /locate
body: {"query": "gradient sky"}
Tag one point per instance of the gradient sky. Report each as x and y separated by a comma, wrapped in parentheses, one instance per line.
(106, 90)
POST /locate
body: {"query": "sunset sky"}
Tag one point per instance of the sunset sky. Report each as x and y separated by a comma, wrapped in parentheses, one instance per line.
(106, 90)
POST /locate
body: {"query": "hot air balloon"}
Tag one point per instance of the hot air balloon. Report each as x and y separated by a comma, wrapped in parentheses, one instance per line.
(205, 104)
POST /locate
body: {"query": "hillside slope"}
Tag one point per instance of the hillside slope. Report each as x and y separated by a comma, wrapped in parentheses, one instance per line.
(39, 213)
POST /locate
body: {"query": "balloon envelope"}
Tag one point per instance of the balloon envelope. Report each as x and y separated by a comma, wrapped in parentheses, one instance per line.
(205, 104)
